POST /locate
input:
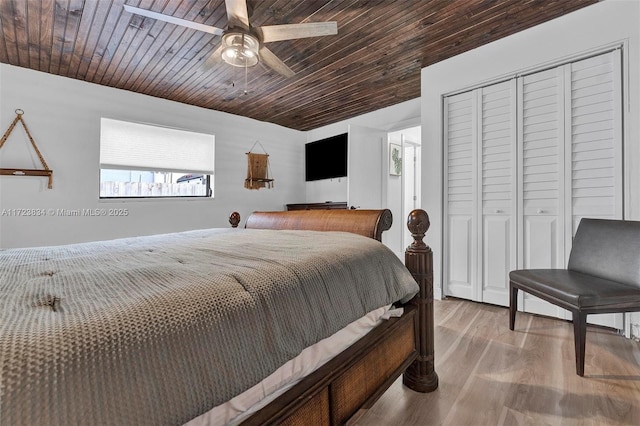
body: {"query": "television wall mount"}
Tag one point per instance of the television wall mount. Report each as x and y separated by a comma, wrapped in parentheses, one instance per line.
(26, 172)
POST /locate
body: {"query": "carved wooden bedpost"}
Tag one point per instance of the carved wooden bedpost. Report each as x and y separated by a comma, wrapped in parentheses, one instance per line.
(421, 375)
(234, 219)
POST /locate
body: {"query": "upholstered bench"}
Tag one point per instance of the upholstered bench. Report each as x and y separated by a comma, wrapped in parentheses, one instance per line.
(603, 276)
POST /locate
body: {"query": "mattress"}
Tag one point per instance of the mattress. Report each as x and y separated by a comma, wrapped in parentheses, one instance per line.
(242, 406)
(157, 330)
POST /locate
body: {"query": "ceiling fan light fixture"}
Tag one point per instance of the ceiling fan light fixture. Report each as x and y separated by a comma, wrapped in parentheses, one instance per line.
(240, 49)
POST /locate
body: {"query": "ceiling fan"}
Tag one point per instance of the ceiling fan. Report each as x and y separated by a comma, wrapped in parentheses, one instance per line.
(243, 45)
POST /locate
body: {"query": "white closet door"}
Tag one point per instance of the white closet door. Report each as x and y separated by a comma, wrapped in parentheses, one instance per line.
(541, 135)
(497, 186)
(571, 161)
(566, 164)
(594, 160)
(595, 180)
(460, 262)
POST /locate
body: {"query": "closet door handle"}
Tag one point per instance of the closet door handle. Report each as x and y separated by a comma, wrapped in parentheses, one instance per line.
(498, 211)
(541, 211)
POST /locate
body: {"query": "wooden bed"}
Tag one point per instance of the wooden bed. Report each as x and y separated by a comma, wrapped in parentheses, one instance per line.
(357, 377)
(162, 329)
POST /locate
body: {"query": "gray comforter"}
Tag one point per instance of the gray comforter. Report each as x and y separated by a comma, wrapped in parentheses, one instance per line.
(157, 330)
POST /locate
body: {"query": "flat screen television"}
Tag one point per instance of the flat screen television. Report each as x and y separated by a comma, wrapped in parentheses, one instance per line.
(326, 158)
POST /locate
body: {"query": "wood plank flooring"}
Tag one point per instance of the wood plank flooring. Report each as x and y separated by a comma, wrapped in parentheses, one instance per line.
(490, 375)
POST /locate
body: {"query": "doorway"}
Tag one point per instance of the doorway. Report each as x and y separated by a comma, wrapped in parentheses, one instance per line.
(403, 189)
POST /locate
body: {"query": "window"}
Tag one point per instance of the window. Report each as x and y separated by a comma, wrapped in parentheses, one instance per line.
(143, 161)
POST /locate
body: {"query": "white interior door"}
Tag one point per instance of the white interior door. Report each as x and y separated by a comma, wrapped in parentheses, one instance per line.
(497, 187)
(511, 206)
(480, 130)
(410, 186)
(594, 157)
(460, 193)
(541, 188)
(571, 158)
(402, 189)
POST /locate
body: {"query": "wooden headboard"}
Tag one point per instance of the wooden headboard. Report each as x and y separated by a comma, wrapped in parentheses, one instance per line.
(370, 223)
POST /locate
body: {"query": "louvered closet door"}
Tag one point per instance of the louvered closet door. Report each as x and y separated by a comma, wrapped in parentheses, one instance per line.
(541, 192)
(513, 198)
(595, 179)
(497, 179)
(480, 133)
(460, 127)
(571, 161)
(594, 157)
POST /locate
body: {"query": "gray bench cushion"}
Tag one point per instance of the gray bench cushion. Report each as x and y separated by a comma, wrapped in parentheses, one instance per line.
(575, 288)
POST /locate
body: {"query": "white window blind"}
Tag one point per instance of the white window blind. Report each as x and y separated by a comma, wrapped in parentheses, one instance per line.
(134, 146)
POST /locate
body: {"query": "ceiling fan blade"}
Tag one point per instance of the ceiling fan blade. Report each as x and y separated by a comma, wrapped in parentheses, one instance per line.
(273, 62)
(237, 13)
(214, 59)
(173, 20)
(270, 33)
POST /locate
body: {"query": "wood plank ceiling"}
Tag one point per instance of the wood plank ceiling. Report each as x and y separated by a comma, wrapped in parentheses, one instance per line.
(374, 61)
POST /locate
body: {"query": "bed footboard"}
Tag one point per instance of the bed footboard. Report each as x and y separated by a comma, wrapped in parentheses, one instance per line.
(356, 378)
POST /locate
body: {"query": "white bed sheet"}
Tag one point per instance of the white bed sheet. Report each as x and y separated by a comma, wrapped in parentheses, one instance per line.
(242, 406)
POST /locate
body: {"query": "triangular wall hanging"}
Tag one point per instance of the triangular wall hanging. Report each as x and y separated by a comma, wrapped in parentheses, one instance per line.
(26, 172)
(258, 170)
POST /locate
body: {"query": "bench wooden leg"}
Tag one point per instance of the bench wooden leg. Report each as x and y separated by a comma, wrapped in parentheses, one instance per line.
(580, 338)
(513, 306)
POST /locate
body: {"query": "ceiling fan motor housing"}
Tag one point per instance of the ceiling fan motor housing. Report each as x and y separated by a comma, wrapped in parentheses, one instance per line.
(240, 49)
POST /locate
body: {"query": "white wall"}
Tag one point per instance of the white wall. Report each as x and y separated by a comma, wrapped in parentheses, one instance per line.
(603, 24)
(63, 116)
(400, 116)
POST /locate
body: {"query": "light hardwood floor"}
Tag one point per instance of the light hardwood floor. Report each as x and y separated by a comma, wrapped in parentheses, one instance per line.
(490, 375)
